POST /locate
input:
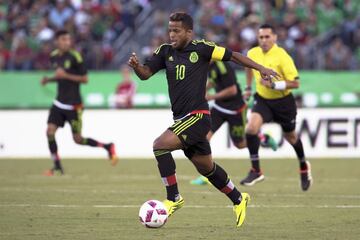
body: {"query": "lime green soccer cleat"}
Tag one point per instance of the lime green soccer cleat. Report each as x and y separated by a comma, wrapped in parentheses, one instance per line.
(171, 206)
(240, 209)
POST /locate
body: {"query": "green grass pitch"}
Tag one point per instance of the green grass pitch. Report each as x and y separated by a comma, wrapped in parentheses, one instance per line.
(97, 201)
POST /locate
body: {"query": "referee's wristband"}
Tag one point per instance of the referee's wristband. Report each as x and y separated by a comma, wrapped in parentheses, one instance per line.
(248, 88)
(280, 85)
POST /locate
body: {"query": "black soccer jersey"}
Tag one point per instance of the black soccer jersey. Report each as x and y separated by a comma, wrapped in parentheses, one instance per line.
(186, 73)
(68, 92)
(222, 75)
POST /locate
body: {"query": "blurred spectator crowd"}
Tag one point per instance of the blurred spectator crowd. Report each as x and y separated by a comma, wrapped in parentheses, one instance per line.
(323, 33)
(27, 29)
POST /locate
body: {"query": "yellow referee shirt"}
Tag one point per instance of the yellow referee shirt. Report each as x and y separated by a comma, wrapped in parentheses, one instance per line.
(278, 60)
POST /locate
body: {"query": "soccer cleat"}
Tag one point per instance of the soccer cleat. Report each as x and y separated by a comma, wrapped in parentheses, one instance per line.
(110, 148)
(269, 142)
(53, 171)
(306, 178)
(252, 178)
(240, 209)
(171, 206)
(201, 180)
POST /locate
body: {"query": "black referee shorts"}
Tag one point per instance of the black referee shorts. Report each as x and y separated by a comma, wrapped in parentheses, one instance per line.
(282, 111)
(192, 131)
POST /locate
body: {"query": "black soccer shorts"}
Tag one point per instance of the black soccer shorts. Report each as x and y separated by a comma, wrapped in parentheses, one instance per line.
(192, 131)
(282, 111)
(59, 116)
(236, 123)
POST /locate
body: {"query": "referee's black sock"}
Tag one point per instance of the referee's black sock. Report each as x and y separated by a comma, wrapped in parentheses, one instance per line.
(298, 147)
(219, 178)
(166, 165)
(253, 144)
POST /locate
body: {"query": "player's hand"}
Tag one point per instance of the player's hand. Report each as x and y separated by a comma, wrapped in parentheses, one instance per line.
(266, 83)
(247, 93)
(268, 74)
(44, 81)
(133, 61)
(60, 73)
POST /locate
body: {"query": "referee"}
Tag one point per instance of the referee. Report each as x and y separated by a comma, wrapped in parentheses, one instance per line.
(273, 101)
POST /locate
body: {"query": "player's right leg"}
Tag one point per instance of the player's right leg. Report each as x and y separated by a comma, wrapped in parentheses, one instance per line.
(162, 147)
(55, 120)
(217, 120)
(253, 143)
(74, 117)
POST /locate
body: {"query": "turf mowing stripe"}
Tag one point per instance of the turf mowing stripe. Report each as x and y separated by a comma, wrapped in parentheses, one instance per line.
(188, 206)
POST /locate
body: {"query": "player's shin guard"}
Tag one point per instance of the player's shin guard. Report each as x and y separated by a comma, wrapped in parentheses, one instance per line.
(298, 147)
(166, 165)
(253, 144)
(219, 178)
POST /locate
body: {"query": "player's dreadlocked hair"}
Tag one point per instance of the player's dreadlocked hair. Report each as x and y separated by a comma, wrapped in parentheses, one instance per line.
(183, 17)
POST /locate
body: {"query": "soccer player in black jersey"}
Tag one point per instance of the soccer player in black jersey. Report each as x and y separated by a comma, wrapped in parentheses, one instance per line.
(186, 62)
(230, 107)
(70, 72)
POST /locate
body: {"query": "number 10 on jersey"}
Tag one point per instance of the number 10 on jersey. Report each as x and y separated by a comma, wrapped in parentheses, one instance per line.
(180, 72)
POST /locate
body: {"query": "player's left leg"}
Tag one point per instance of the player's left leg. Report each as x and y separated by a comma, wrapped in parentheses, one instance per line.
(75, 119)
(286, 117)
(219, 179)
(305, 167)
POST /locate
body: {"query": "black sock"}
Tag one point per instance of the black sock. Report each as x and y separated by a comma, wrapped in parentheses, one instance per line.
(298, 147)
(91, 142)
(166, 165)
(219, 178)
(253, 143)
(53, 150)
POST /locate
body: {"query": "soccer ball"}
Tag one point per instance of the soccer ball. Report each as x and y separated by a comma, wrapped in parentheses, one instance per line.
(153, 214)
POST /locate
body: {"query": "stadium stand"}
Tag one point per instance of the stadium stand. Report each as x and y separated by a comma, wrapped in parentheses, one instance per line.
(105, 29)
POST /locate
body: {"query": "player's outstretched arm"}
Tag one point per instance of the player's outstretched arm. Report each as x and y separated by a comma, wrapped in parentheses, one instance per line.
(223, 94)
(45, 80)
(62, 74)
(142, 71)
(249, 79)
(266, 73)
(281, 85)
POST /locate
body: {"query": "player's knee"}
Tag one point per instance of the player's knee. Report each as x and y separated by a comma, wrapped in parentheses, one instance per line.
(251, 129)
(158, 144)
(209, 135)
(291, 138)
(50, 133)
(78, 139)
(240, 145)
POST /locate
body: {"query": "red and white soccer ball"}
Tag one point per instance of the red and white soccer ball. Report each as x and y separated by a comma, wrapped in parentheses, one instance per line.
(153, 214)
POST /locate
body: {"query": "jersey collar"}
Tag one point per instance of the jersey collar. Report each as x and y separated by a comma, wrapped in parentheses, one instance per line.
(275, 46)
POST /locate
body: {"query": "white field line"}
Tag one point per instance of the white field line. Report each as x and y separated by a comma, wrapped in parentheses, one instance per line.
(138, 177)
(187, 206)
(104, 191)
